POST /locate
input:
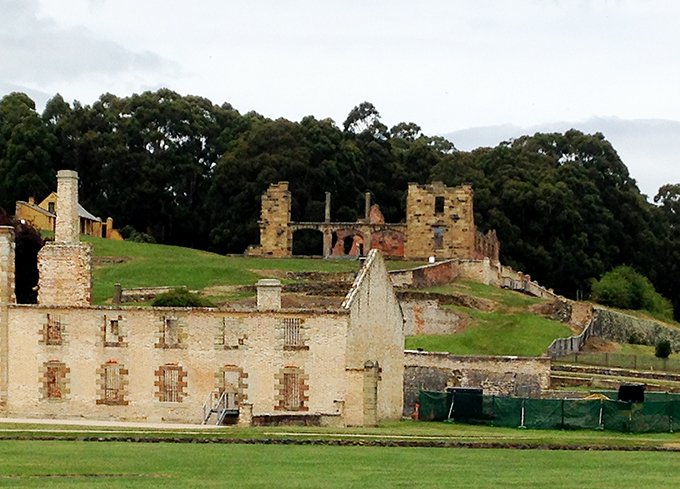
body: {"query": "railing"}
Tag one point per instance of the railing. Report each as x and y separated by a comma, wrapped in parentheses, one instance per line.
(621, 360)
(216, 403)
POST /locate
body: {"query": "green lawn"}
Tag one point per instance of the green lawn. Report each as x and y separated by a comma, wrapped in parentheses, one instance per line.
(496, 333)
(507, 298)
(139, 465)
(161, 265)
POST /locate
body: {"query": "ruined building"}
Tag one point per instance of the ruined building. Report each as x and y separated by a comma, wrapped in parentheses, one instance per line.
(440, 223)
(65, 358)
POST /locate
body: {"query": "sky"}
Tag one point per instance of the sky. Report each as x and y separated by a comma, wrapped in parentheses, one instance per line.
(478, 71)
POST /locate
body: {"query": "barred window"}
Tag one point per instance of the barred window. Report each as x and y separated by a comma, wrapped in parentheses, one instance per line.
(170, 383)
(53, 376)
(291, 332)
(53, 332)
(291, 391)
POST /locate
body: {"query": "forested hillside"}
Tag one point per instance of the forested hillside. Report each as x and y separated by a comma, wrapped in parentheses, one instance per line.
(191, 173)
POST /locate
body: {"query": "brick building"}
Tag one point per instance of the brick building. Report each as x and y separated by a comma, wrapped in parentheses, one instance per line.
(65, 358)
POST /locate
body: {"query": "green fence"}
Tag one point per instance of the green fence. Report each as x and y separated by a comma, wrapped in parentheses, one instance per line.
(621, 360)
(651, 416)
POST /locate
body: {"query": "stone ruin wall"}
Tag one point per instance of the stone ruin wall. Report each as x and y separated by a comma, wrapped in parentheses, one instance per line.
(276, 237)
(439, 223)
(446, 231)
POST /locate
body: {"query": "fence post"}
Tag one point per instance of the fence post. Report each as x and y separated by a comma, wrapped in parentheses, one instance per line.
(635, 362)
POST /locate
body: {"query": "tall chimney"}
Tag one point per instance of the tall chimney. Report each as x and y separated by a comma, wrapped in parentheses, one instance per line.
(367, 196)
(68, 223)
(327, 216)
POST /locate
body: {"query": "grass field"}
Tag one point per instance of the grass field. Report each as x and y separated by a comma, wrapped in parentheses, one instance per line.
(139, 465)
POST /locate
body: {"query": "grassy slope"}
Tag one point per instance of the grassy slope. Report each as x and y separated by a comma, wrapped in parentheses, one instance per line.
(246, 466)
(511, 330)
(159, 265)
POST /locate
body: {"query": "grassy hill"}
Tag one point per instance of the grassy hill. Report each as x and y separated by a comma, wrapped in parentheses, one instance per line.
(150, 265)
(509, 330)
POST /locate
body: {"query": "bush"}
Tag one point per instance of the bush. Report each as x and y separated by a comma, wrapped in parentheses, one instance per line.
(181, 297)
(624, 288)
(663, 348)
(131, 234)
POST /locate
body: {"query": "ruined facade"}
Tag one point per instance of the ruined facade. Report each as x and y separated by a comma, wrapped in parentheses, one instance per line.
(439, 223)
(65, 358)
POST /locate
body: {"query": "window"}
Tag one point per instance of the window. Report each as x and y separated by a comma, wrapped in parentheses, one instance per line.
(291, 391)
(50, 207)
(292, 387)
(438, 237)
(439, 205)
(291, 333)
(170, 383)
(112, 384)
(53, 332)
(113, 331)
(170, 333)
(231, 387)
(54, 380)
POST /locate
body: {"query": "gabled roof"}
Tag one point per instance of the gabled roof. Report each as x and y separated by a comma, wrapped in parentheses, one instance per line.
(82, 212)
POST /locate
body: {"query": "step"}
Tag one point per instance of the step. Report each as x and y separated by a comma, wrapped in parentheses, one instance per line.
(615, 372)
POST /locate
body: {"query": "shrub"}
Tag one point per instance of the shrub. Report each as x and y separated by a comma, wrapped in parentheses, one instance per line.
(624, 288)
(131, 234)
(663, 348)
(181, 297)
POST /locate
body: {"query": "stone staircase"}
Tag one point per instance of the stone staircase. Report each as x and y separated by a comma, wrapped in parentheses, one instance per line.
(563, 377)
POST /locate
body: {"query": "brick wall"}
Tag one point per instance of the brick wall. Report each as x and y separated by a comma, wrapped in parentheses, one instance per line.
(427, 317)
(65, 271)
(276, 237)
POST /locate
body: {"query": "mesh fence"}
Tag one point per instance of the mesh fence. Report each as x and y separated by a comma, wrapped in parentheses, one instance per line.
(651, 416)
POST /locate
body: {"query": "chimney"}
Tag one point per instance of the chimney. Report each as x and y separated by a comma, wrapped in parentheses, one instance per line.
(68, 223)
(367, 205)
(31, 200)
(268, 294)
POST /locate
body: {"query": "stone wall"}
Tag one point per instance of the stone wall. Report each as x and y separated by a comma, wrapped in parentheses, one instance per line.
(276, 237)
(622, 328)
(427, 317)
(502, 376)
(7, 297)
(440, 222)
(376, 336)
(207, 341)
(65, 271)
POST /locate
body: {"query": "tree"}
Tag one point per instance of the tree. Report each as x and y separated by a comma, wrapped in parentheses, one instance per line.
(25, 143)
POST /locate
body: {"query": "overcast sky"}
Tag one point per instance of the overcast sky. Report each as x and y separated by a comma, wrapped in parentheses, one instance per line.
(448, 65)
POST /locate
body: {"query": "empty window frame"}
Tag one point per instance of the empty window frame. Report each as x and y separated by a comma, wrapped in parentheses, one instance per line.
(53, 330)
(171, 332)
(113, 330)
(54, 380)
(438, 235)
(439, 205)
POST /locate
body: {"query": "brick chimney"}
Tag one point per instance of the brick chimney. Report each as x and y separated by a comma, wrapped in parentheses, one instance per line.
(68, 223)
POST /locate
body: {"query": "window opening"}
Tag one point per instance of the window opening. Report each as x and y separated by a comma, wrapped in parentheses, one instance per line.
(50, 207)
(439, 205)
(438, 237)
(53, 376)
(54, 336)
(171, 332)
(291, 331)
(291, 391)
